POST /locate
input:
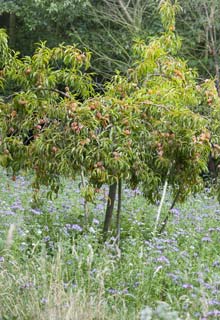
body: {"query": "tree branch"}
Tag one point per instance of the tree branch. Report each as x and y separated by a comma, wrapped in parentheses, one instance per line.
(125, 10)
(66, 95)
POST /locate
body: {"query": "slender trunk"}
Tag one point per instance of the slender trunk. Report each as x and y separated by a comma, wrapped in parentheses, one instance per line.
(119, 211)
(124, 9)
(164, 223)
(216, 62)
(161, 204)
(109, 208)
(162, 200)
(85, 204)
(212, 33)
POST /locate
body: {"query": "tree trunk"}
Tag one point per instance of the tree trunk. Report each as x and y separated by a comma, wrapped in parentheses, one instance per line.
(109, 208)
(85, 204)
(164, 223)
(161, 205)
(162, 199)
(119, 211)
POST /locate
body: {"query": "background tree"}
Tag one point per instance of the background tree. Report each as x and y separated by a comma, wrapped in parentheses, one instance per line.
(92, 24)
(107, 28)
(198, 25)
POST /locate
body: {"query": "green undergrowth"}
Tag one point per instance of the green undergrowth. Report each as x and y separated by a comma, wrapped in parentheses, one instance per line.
(53, 266)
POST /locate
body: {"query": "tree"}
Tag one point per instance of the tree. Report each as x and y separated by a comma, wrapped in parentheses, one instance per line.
(143, 130)
(92, 24)
(163, 90)
(199, 27)
(42, 20)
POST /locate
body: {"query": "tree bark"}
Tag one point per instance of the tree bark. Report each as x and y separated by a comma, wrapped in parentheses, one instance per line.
(109, 208)
(162, 199)
(164, 223)
(85, 204)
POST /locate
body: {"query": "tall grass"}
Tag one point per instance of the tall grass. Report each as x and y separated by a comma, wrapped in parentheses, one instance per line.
(53, 267)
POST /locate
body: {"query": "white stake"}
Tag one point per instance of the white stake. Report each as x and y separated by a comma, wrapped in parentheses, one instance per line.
(161, 202)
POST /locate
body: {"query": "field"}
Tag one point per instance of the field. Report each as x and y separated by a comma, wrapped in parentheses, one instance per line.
(53, 267)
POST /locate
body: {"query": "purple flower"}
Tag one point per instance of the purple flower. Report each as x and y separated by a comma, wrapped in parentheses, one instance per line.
(175, 211)
(187, 286)
(9, 213)
(112, 291)
(207, 285)
(199, 229)
(100, 206)
(214, 302)
(215, 313)
(47, 238)
(206, 239)
(136, 284)
(124, 291)
(75, 227)
(44, 300)
(95, 221)
(36, 211)
(82, 201)
(163, 259)
(27, 285)
(2, 259)
(176, 278)
(17, 206)
(65, 285)
(184, 254)
(216, 263)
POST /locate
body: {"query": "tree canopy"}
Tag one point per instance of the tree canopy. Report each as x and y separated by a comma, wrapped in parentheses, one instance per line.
(150, 126)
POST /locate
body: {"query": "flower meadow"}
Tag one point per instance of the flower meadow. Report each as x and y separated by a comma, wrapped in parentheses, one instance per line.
(54, 266)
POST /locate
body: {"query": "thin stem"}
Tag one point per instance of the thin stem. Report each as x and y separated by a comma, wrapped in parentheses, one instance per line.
(118, 218)
(164, 223)
(85, 203)
(125, 10)
(109, 208)
(64, 94)
(161, 204)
